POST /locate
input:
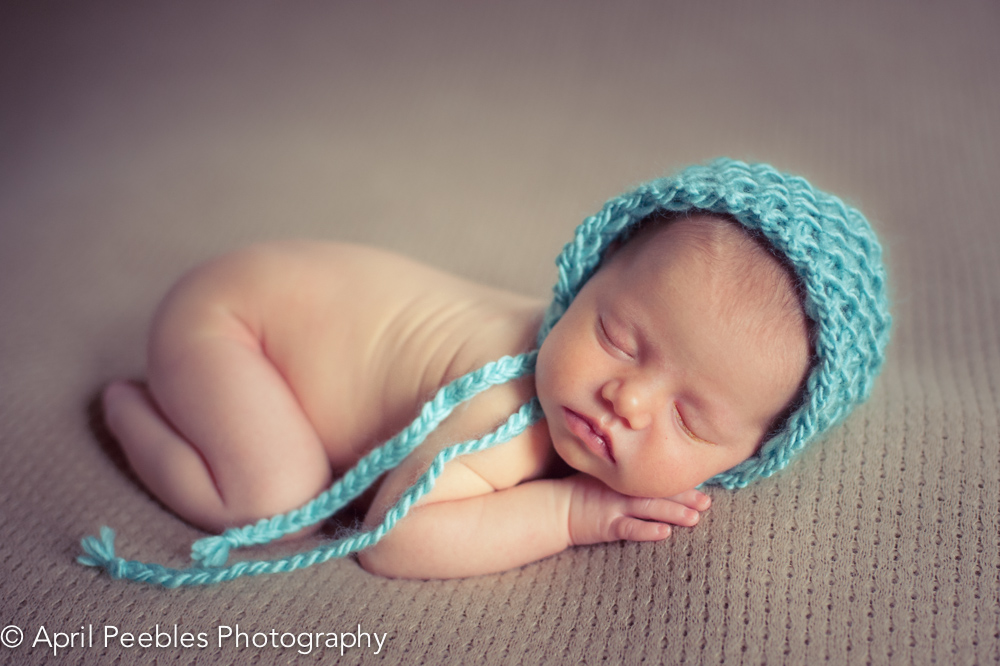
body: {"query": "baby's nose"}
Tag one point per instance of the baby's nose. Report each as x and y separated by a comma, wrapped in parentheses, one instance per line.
(629, 401)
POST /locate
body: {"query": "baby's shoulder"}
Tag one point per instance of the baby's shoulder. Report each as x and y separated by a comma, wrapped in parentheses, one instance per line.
(525, 457)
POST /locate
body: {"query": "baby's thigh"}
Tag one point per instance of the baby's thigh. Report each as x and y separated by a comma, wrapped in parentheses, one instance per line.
(211, 378)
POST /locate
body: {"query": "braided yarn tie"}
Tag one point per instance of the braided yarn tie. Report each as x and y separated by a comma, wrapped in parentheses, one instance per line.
(830, 246)
(213, 552)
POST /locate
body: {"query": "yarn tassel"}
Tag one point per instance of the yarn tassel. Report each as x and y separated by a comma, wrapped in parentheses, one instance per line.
(100, 551)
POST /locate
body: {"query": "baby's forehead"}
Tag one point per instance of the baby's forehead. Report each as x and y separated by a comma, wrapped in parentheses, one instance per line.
(717, 239)
(746, 276)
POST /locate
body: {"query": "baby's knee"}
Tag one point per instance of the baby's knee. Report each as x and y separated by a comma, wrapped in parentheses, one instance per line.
(274, 495)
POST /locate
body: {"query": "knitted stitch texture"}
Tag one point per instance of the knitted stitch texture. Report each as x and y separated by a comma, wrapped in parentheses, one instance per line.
(830, 246)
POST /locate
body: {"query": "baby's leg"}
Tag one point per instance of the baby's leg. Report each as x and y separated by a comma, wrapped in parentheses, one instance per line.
(219, 436)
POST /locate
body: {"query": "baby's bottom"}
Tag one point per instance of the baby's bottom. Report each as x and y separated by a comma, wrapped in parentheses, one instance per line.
(218, 436)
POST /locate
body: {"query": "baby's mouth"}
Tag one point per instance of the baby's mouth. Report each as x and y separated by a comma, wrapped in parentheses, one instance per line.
(587, 431)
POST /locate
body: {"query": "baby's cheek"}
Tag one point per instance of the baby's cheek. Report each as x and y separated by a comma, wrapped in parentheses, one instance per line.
(554, 372)
(564, 361)
(543, 366)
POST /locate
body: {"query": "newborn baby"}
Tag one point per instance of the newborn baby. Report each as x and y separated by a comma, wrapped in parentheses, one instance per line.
(273, 370)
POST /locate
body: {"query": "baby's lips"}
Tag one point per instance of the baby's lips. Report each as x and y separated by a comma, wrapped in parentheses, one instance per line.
(592, 436)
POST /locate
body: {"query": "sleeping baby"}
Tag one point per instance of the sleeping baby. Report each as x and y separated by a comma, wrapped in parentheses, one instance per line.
(706, 327)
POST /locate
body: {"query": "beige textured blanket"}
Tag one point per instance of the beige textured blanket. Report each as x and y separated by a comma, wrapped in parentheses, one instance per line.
(138, 139)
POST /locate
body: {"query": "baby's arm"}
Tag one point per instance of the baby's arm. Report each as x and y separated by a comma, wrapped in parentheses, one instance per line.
(453, 533)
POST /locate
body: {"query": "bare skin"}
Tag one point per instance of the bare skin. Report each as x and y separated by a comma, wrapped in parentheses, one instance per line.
(274, 369)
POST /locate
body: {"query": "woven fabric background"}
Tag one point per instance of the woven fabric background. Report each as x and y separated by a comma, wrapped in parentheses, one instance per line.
(137, 141)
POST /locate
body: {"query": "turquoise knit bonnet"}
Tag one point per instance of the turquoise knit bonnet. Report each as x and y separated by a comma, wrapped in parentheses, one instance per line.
(829, 245)
(831, 248)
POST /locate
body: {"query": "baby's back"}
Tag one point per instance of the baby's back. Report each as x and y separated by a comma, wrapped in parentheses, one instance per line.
(362, 336)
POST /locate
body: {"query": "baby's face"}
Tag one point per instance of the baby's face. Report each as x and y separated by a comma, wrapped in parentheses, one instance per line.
(663, 373)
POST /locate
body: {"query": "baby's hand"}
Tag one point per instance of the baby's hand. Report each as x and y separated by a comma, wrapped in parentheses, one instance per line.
(598, 513)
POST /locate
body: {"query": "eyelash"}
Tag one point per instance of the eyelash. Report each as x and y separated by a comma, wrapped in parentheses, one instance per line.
(683, 425)
(607, 337)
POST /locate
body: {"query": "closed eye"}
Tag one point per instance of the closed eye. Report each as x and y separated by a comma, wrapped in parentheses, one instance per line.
(685, 428)
(606, 337)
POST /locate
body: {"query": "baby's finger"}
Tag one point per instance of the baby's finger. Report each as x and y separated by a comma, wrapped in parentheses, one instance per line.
(662, 511)
(695, 499)
(633, 529)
